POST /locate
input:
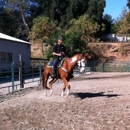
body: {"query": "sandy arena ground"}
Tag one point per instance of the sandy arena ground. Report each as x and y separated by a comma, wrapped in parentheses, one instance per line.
(99, 101)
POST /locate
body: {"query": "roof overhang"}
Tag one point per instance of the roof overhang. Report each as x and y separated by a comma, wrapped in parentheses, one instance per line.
(6, 37)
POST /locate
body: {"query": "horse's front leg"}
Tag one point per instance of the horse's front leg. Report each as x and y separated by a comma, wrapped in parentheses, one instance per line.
(50, 85)
(63, 90)
(66, 84)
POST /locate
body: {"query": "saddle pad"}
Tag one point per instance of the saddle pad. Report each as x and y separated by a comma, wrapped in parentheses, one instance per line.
(50, 63)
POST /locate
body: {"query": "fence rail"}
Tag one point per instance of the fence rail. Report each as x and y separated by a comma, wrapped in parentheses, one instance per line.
(18, 76)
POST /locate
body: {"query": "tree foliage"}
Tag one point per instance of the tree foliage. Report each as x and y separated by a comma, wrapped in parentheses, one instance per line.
(42, 29)
(109, 24)
(85, 27)
(122, 25)
(42, 21)
(124, 28)
(62, 11)
(95, 9)
(128, 4)
(19, 14)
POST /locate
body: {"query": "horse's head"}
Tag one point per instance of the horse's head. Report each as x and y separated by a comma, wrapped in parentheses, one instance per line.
(82, 61)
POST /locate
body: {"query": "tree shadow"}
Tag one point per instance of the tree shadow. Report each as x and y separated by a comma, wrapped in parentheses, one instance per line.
(93, 95)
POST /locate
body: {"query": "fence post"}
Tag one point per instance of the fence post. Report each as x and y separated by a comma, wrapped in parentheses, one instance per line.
(33, 72)
(94, 66)
(40, 72)
(21, 69)
(115, 65)
(12, 75)
(103, 67)
(127, 68)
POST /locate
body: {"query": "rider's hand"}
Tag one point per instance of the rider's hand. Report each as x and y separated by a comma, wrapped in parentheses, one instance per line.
(59, 54)
(63, 53)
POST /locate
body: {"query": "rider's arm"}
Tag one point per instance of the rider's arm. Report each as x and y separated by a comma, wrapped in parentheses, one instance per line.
(56, 54)
(55, 51)
(63, 50)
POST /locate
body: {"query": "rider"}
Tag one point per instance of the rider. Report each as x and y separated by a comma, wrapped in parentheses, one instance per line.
(59, 53)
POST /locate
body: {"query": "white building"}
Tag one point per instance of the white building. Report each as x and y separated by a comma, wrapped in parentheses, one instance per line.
(116, 38)
(12, 50)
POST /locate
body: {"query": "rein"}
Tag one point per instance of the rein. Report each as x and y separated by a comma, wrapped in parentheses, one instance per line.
(79, 66)
(80, 61)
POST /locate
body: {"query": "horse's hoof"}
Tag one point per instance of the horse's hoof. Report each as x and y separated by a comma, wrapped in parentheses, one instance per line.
(50, 94)
(66, 96)
(45, 93)
(51, 91)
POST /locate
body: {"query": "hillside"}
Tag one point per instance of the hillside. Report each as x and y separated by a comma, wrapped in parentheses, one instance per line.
(100, 51)
(110, 51)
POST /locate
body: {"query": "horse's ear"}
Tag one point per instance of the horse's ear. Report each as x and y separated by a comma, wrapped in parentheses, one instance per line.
(88, 55)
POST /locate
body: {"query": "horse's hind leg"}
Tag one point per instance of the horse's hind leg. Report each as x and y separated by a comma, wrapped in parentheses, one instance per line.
(45, 79)
(50, 85)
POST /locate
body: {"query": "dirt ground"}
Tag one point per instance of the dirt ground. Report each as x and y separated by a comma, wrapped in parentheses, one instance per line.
(99, 101)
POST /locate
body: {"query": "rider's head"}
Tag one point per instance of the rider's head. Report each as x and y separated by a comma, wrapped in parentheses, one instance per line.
(60, 39)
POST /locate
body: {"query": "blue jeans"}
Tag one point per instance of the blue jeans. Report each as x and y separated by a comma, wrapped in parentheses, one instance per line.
(56, 61)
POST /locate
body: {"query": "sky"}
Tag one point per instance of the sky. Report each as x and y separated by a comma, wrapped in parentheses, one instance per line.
(114, 7)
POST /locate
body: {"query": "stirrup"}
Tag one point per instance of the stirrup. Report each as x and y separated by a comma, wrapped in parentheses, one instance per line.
(53, 76)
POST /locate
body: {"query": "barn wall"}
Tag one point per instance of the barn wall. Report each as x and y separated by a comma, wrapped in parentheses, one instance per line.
(16, 48)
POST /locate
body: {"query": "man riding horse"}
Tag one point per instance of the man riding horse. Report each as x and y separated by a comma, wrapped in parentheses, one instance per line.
(59, 53)
(64, 71)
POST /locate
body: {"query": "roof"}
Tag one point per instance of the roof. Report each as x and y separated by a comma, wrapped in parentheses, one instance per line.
(6, 37)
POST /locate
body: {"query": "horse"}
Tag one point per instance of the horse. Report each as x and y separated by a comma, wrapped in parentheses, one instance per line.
(65, 72)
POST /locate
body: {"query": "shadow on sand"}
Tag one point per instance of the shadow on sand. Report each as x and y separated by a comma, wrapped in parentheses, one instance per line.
(93, 95)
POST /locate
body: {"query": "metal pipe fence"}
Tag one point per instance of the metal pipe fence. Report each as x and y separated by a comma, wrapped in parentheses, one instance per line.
(17, 76)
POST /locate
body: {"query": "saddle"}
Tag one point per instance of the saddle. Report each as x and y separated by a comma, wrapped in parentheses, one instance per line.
(50, 64)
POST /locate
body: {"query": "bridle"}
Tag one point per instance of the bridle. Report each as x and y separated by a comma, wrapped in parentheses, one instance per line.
(80, 65)
(77, 61)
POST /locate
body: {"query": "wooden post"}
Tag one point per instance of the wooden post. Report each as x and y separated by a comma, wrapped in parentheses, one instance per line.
(12, 75)
(21, 69)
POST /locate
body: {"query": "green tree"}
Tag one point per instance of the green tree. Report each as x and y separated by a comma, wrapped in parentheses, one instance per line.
(19, 8)
(125, 26)
(95, 9)
(122, 25)
(19, 14)
(128, 4)
(85, 27)
(74, 44)
(62, 11)
(42, 30)
(109, 24)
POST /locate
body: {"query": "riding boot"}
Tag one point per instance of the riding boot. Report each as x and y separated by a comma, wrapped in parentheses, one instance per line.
(54, 69)
(71, 75)
(53, 73)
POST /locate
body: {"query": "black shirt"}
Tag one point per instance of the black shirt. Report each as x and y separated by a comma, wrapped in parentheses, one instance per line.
(59, 49)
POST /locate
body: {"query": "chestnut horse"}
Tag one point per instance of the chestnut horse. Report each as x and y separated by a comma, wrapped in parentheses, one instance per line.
(65, 73)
